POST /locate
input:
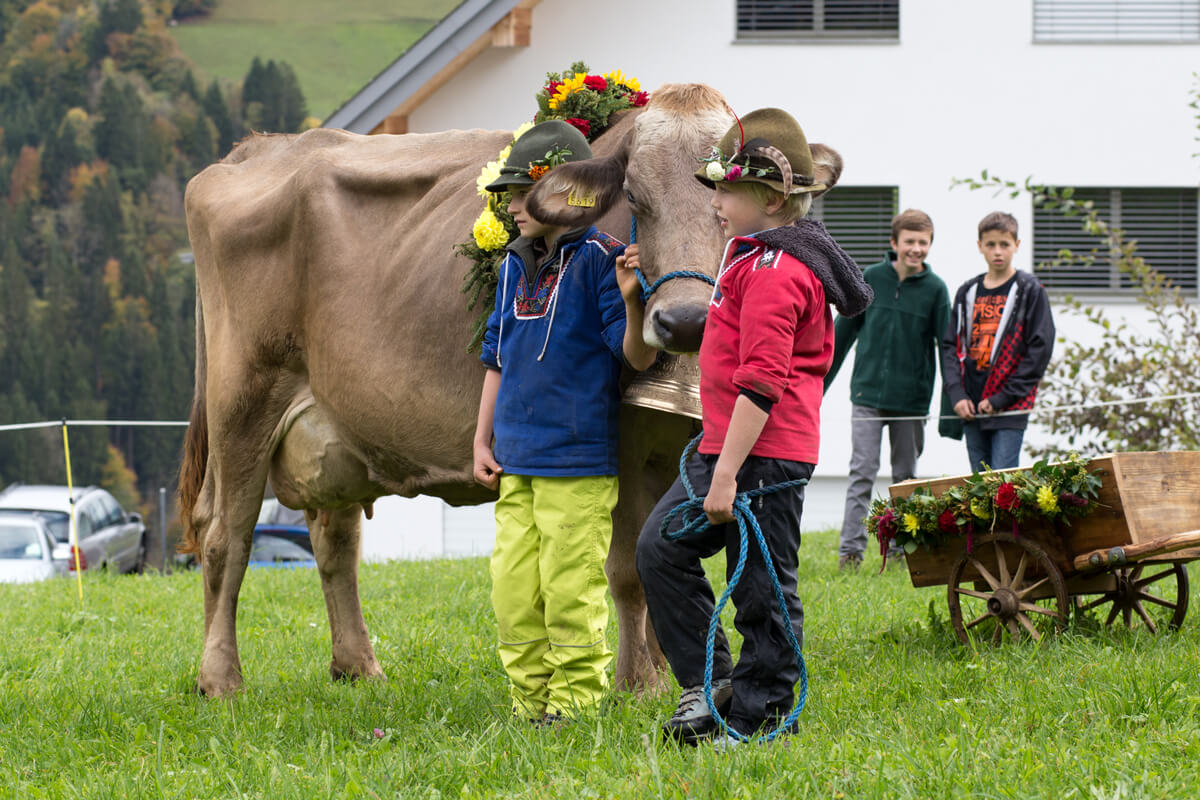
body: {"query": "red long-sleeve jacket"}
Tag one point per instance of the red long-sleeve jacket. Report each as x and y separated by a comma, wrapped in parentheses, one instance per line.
(769, 331)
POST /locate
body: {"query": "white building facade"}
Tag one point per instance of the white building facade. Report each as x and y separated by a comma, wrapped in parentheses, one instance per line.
(913, 93)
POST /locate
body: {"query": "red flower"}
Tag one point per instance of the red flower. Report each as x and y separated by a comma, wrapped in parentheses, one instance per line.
(885, 527)
(640, 99)
(947, 522)
(1006, 497)
(595, 82)
(1068, 499)
(553, 87)
(583, 125)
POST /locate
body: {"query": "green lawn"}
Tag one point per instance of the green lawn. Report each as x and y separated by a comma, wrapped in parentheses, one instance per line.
(96, 702)
(335, 48)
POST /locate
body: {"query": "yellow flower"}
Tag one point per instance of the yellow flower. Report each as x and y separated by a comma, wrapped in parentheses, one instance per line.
(489, 231)
(911, 523)
(979, 508)
(488, 174)
(517, 134)
(569, 87)
(1047, 500)
(618, 77)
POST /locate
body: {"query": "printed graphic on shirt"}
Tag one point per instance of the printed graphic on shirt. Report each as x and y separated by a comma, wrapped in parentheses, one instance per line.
(984, 322)
(768, 260)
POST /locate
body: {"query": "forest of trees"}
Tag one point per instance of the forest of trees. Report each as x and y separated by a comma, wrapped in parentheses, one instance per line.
(102, 123)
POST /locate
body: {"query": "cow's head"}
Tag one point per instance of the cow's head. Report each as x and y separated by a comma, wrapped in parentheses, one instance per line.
(650, 172)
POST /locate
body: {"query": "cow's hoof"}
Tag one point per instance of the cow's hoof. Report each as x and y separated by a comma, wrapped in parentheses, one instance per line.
(209, 687)
(369, 671)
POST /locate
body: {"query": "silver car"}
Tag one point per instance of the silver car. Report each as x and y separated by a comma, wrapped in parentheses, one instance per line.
(109, 538)
(27, 550)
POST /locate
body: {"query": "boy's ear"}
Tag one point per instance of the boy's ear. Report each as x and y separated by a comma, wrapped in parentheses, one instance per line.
(580, 192)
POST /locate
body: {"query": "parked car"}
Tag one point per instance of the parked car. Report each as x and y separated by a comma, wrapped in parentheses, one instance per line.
(27, 550)
(280, 539)
(109, 538)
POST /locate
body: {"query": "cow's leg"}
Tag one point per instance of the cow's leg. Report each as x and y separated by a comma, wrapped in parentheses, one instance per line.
(231, 497)
(336, 537)
(651, 443)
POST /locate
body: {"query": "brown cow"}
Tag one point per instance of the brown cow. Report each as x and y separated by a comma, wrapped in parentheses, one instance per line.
(331, 347)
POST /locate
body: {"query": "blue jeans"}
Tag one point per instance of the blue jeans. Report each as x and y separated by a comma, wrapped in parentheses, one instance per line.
(998, 449)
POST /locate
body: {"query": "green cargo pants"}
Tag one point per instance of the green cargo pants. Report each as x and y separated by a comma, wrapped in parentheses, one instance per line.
(549, 590)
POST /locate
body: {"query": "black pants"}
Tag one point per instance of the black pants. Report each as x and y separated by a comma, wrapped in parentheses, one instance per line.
(681, 602)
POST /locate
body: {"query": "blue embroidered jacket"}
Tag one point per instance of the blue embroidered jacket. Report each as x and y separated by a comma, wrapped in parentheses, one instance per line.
(558, 346)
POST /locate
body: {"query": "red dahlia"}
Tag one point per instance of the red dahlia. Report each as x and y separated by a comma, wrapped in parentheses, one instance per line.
(595, 82)
(1006, 497)
(583, 125)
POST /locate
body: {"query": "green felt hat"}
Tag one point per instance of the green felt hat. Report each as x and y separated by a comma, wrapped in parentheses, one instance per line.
(767, 147)
(541, 148)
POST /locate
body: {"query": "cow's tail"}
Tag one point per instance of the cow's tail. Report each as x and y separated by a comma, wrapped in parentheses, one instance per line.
(195, 447)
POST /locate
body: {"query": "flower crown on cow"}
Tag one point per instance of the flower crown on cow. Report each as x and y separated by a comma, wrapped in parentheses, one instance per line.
(578, 98)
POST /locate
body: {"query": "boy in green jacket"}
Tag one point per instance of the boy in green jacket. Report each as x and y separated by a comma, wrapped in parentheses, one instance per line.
(894, 367)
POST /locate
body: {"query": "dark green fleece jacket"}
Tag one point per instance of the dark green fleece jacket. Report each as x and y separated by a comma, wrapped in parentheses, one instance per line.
(898, 338)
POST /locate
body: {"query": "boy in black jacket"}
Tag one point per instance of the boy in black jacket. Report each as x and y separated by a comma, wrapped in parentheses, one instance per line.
(996, 348)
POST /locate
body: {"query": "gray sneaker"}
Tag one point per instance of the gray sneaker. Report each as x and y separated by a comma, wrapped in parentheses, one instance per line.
(692, 721)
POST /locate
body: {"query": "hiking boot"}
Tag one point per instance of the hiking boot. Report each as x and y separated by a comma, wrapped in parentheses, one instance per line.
(692, 721)
(850, 561)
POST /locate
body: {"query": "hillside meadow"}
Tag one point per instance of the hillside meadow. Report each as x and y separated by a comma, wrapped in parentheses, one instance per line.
(335, 48)
(96, 701)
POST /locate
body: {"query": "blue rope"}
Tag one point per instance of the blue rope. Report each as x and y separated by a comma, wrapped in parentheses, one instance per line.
(691, 511)
(648, 288)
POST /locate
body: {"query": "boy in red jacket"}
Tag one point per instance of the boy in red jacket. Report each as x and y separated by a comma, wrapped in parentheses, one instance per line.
(768, 343)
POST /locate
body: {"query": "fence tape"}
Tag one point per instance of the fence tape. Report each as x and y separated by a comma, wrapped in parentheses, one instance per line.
(1041, 409)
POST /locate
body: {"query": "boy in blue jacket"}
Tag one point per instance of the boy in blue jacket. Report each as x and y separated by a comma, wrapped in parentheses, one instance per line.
(554, 348)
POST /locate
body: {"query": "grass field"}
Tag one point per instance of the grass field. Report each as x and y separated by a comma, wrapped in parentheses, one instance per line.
(96, 702)
(335, 48)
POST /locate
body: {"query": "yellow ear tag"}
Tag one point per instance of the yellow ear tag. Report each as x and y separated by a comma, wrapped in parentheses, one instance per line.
(581, 201)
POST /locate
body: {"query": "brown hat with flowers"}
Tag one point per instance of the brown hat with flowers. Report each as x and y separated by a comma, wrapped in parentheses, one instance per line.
(766, 146)
(540, 149)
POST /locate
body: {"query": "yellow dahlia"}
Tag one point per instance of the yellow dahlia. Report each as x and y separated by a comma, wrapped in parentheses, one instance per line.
(518, 133)
(1047, 500)
(567, 88)
(488, 174)
(489, 231)
(911, 523)
(618, 77)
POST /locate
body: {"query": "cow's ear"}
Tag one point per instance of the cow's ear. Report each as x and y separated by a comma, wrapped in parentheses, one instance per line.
(579, 193)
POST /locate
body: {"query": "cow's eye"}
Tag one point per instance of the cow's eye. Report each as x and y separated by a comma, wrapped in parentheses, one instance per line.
(629, 196)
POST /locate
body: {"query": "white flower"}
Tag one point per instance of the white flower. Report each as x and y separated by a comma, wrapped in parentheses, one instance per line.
(715, 171)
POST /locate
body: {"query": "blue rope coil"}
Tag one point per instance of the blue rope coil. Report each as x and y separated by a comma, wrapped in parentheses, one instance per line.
(648, 288)
(691, 512)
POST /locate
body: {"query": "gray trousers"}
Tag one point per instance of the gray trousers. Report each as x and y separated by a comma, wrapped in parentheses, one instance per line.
(907, 440)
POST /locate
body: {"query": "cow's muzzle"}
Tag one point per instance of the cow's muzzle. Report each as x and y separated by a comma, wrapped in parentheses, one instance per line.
(679, 328)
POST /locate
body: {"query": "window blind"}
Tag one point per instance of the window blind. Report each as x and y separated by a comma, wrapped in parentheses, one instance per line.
(860, 219)
(1163, 221)
(816, 18)
(1116, 20)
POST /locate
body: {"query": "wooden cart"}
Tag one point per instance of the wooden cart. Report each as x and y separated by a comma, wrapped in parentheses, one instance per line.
(1126, 561)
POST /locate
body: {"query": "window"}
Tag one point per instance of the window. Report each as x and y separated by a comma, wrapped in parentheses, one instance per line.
(860, 219)
(1163, 221)
(1116, 20)
(806, 19)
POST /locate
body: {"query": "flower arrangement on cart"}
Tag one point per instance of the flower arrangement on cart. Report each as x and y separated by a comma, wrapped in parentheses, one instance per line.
(1046, 494)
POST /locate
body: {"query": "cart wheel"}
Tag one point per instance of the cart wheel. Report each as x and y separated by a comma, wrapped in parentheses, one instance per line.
(994, 591)
(1137, 599)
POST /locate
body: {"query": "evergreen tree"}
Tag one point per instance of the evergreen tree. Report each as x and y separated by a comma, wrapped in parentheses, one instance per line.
(292, 108)
(217, 111)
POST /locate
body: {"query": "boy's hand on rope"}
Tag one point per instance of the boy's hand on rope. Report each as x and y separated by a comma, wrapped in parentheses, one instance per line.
(631, 288)
(487, 470)
(718, 505)
(965, 408)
